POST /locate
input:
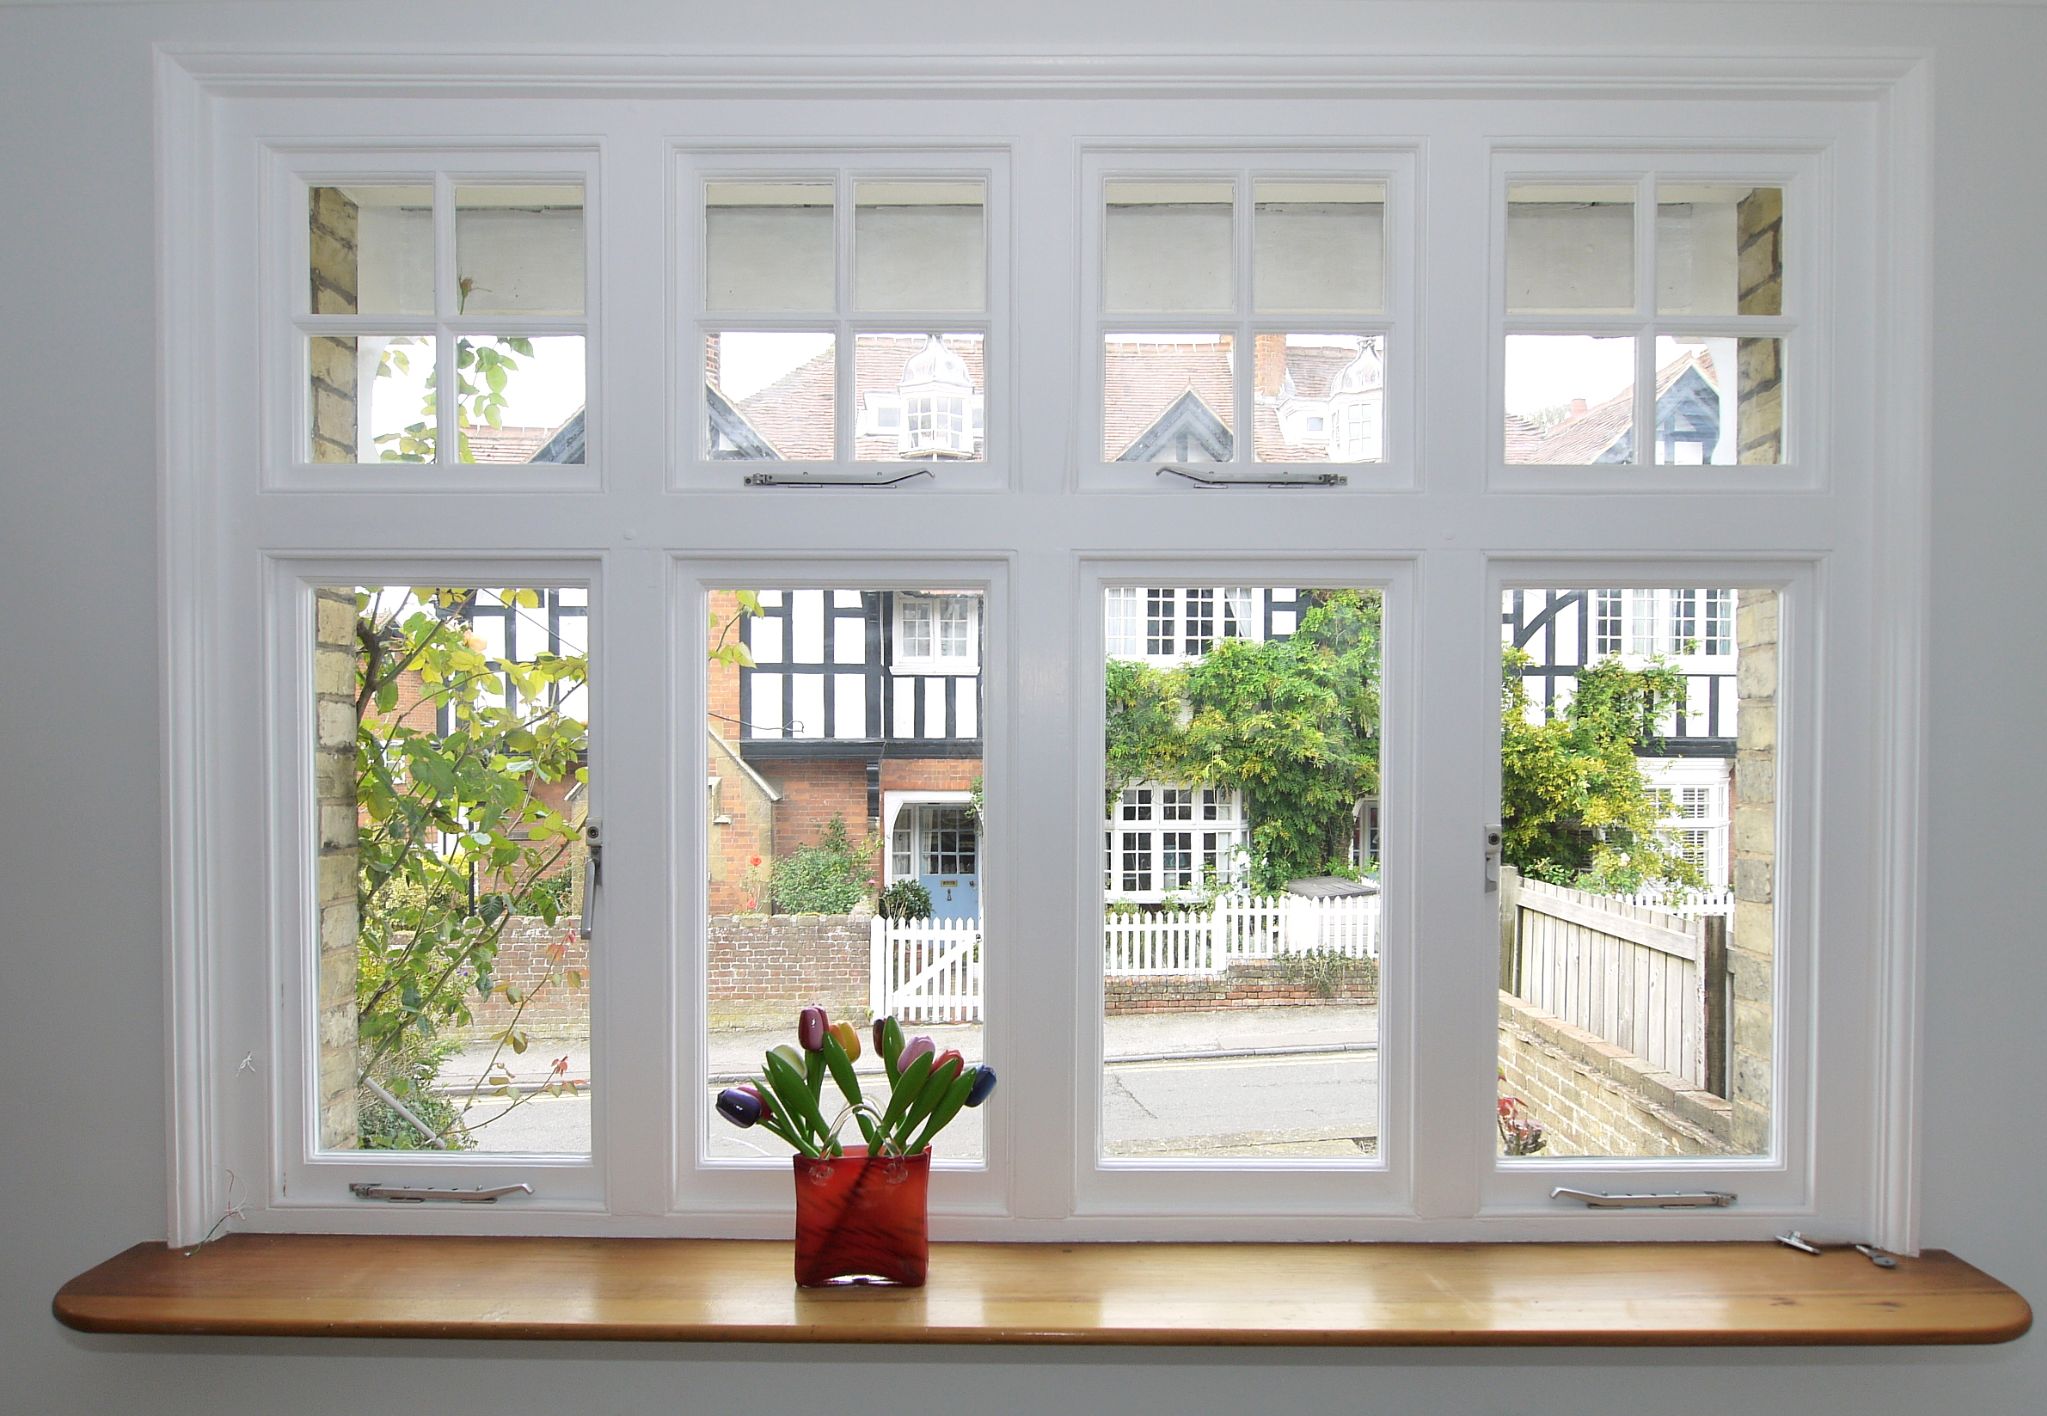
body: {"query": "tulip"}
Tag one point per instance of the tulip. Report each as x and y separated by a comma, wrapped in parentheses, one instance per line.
(881, 1035)
(984, 1084)
(741, 1107)
(949, 1055)
(790, 1055)
(811, 1024)
(767, 1111)
(849, 1039)
(917, 1047)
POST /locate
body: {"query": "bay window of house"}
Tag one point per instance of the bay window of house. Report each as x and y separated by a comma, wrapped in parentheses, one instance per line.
(1363, 855)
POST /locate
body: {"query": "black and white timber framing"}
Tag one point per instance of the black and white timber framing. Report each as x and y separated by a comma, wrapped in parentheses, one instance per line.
(1555, 629)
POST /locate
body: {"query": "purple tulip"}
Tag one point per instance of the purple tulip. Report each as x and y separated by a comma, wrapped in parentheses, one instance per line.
(767, 1111)
(913, 1049)
(880, 1031)
(741, 1108)
(811, 1026)
(984, 1084)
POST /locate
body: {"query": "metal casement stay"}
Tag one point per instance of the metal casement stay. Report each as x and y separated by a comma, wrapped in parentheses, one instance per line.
(830, 479)
(422, 1194)
(1676, 1199)
(1207, 480)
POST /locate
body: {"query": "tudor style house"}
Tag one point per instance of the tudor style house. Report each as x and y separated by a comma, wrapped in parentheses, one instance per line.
(866, 705)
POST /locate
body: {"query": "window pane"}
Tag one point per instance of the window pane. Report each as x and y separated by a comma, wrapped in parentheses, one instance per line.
(919, 246)
(372, 250)
(1319, 398)
(450, 766)
(1319, 246)
(521, 398)
(845, 779)
(1719, 249)
(519, 250)
(1167, 247)
(1718, 400)
(1570, 248)
(917, 394)
(1167, 398)
(370, 398)
(1570, 399)
(1241, 916)
(769, 395)
(1637, 937)
(768, 246)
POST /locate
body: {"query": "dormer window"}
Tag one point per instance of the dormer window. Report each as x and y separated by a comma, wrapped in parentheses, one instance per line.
(938, 399)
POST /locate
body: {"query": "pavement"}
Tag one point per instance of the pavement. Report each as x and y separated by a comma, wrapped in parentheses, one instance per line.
(1238, 1082)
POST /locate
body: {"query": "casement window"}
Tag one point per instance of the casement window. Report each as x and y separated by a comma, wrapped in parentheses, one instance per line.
(1252, 545)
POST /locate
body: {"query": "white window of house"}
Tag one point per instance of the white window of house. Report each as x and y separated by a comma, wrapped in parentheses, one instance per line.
(937, 633)
(1160, 272)
(1239, 298)
(842, 312)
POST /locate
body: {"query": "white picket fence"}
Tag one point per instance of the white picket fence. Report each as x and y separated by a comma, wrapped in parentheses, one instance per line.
(1689, 903)
(929, 970)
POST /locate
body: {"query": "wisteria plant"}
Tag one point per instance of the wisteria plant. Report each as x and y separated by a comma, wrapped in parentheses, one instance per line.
(926, 1088)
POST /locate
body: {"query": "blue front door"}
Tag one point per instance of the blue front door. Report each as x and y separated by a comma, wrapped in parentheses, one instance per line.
(947, 845)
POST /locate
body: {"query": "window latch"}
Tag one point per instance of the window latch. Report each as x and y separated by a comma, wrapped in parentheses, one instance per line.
(1210, 479)
(421, 1194)
(1495, 844)
(1679, 1199)
(593, 876)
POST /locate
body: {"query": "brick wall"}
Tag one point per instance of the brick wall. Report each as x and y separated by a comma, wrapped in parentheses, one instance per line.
(525, 959)
(762, 968)
(1596, 1099)
(333, 240)
(334, 786)
(1752, 949)
(741, 832)
(723, 688)
(1260, 984)
(812, 794)
(1759, 405)
(929, 774)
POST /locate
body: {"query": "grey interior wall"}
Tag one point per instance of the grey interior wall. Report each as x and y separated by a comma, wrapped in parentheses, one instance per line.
(81, 973)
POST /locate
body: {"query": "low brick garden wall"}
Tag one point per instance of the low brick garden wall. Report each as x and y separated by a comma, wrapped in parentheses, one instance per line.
(523, 963)
(1594, 1098)
(1260, 984)
(762, 968)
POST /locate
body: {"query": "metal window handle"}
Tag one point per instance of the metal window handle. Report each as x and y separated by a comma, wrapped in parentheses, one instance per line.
(1679, 1199)
(418, 1195)
(1495, 846)
(1210, 479)
(593, 876)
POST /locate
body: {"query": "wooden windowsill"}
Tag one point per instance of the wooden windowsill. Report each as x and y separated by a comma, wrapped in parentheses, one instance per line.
(1366, 1295)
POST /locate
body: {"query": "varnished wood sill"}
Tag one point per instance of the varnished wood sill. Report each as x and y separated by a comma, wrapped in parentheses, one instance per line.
(1187, 1294)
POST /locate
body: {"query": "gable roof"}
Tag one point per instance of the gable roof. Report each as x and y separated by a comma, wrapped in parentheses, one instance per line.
(1604, 432)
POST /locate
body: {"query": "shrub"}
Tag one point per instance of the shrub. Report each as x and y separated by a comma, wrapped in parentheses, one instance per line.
(905, 900)
(827, 878)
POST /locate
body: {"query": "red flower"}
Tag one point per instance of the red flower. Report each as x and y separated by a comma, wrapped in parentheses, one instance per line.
(756, 860)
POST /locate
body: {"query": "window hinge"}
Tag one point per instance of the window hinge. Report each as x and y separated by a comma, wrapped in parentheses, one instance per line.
(830, 479)
(1210, 479)
(1678, 1199)
(419, 1195)
(593, 876)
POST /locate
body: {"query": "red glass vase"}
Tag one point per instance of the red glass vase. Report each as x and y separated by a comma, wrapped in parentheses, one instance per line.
(862, 1219)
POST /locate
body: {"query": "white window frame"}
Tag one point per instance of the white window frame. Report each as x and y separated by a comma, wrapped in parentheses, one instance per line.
(1242, 164)
(1812, 440)
(292, 169)
(1850, 129)
(1152, 827)
(843, 165)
